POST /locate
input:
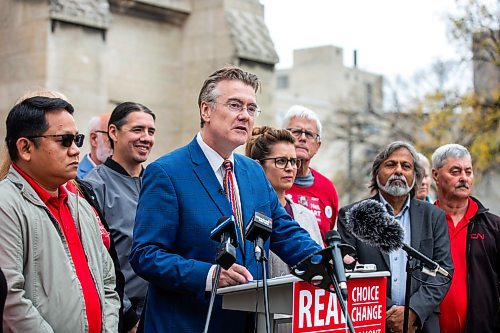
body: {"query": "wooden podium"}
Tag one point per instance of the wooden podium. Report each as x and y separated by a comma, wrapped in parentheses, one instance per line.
(282, 307)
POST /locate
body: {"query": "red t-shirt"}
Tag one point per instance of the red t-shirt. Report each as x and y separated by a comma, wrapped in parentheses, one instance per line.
(453, 316)
(58, 206)
(321, 198)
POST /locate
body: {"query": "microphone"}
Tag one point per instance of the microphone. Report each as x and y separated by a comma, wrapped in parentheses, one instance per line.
(333, 240)
(258, 231)
(370, 222)
(225, 233)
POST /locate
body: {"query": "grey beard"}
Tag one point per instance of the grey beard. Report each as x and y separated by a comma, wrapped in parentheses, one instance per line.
(394, 189)
(102, 153)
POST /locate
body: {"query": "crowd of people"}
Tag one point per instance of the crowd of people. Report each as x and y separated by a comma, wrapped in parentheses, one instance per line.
(101, 243)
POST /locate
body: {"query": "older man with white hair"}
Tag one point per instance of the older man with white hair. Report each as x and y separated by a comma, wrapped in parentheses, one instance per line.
(100, 148)
(311, 189)
(472, 303)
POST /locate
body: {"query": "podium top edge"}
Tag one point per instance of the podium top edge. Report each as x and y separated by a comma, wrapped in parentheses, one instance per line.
(287, 279)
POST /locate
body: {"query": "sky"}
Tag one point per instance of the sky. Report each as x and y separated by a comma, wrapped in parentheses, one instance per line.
(392, 37)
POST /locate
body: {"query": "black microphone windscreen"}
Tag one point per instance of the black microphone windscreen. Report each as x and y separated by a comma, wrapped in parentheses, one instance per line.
(370, 222)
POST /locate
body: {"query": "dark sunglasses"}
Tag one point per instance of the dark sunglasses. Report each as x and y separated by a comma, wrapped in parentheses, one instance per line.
(66, 139)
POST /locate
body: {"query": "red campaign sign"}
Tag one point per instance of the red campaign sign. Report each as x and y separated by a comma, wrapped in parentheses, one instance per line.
(315, 310)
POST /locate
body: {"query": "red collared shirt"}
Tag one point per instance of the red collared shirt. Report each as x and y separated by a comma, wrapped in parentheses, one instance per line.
(106, 240)
(453, 318)
(58, 206)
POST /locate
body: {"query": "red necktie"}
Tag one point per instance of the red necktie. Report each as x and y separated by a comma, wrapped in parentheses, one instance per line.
(231, 195)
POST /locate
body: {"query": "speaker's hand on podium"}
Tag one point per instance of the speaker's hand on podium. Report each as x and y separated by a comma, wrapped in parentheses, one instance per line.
(236, 274)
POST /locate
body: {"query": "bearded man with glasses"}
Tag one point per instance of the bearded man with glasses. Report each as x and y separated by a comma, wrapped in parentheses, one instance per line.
(396, 175)
(100, 148)
(60, 275)
(311, 189)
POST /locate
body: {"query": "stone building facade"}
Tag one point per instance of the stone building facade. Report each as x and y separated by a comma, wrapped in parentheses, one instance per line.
(100, 53)
(347, 101)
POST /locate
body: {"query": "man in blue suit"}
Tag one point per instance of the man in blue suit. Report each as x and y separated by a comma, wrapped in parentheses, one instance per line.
(181, 200)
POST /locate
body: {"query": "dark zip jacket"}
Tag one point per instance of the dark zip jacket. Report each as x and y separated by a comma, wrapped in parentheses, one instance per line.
(483, 272)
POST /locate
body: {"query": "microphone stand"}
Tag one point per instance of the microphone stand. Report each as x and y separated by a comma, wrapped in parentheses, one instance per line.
(215, 285)
(409, 274)
(308, 269)
(260, 256)
(342, 301)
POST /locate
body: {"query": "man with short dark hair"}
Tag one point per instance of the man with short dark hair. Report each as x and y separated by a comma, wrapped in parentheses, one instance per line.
(117, 184)
(472, 303)
(395, 175)
(311, 189)
(185, 192)
(59, 273)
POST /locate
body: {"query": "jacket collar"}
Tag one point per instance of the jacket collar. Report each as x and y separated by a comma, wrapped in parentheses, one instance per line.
(30, 195)
(22, 184)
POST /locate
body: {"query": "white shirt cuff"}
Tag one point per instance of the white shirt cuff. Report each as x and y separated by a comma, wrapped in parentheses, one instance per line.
(208, 285)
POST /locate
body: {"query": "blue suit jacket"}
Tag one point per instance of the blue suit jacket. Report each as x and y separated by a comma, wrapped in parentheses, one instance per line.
(180, 203)
(84, 167)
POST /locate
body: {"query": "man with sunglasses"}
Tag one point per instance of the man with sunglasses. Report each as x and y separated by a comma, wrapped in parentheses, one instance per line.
(311, 189)
(59, 273)
(100, 148)
(183, 196)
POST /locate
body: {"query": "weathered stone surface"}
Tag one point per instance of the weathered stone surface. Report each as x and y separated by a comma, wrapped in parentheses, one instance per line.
(251, 37)
(91, 13)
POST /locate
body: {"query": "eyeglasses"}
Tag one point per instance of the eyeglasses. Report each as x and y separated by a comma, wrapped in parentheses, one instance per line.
(66, 139)
(297, 133)
(235, 106)
(103, 132)
(282, 162)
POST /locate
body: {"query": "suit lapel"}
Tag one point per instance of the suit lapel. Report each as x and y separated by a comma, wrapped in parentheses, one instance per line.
(207, 178)
(246, 193)
(384, 255)
(416, 222)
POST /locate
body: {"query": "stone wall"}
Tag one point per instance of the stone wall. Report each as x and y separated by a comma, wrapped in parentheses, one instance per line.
(100, 53)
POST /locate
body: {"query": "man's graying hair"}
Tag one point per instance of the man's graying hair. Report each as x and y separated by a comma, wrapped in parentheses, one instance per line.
(303, 112)
(450, 150)
(209, 93)
(384, 154)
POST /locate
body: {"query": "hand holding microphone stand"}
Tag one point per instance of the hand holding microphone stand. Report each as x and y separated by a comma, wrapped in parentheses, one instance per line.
(317, 265)
(225, 232)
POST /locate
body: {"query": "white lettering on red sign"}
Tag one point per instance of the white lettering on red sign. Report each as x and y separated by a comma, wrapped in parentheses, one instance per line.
(305, 301)
(365, 294)
(316, 310)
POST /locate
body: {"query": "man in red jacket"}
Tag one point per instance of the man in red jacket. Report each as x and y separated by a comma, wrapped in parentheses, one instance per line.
(472, 302)
(311, 189)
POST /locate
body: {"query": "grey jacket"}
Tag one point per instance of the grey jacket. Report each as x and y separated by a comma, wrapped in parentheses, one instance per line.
(44, 294)
(117, 194)
(307, 221)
